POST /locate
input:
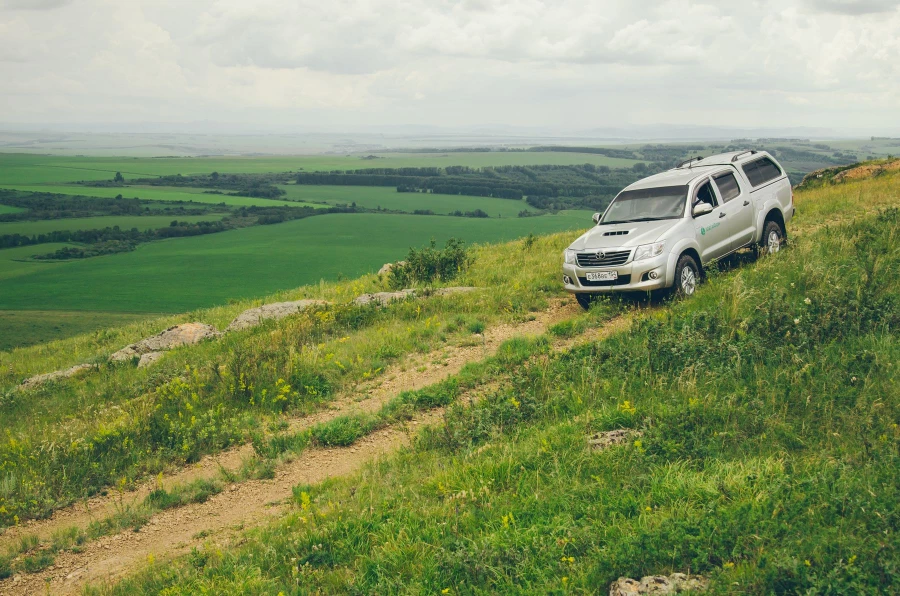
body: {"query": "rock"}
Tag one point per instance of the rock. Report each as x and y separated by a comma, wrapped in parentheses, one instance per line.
(33, 382)
(384, 298)
(173, 337)
(387, 267)
(149, 358)
(658, 584)
(277, 310)
(601, 441)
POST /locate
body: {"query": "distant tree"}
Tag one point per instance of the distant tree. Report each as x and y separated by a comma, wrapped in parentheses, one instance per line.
(119, 177)
(118, 197)
(640, 167)
(214, 176)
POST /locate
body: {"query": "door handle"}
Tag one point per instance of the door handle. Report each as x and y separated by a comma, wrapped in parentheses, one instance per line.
(721, 214)
(746, 203)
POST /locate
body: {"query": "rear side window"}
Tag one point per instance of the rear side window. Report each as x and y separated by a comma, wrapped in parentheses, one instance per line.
(728, 186)
(761, 171)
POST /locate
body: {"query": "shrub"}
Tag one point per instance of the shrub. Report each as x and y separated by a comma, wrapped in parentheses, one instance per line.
(430, 264)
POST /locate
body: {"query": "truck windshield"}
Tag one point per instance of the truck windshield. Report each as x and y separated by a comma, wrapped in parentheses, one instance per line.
(647, 204)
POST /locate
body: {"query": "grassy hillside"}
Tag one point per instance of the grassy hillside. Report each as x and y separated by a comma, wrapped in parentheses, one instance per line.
(767, 407)
(769, 411)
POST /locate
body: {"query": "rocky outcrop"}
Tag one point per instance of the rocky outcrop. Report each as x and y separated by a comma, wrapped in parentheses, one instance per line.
(149, 358)
(173, 337)
(658, 584)
(384, 298)
(34, 381)
(387, 267)
(277, 310)
(601, 441)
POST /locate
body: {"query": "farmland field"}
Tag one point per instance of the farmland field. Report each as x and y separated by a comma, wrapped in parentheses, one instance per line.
(20, 328)
(8, 209)
(187, 273)
(150, 222)
(23, 169)
(373, 197)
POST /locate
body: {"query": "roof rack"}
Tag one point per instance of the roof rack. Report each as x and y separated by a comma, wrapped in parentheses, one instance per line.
(736, 157)
(688, 161)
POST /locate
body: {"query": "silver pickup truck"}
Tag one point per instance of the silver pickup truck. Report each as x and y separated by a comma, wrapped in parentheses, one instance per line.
(658, 233)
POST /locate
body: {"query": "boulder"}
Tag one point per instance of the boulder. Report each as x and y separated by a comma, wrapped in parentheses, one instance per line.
(658, 584)
(149, 358)
(601, 441)
(277, 310)
(173, 337)
(34, 381)
(383, 298)
(387, 267)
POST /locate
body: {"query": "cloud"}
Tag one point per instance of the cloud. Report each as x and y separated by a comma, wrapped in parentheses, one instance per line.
(33, 4)
(854, 7)
(360, 62)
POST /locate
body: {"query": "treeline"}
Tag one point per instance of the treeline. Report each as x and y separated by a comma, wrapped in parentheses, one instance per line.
(260, 186)
(115, 234)
(608, 152)
(47, 206)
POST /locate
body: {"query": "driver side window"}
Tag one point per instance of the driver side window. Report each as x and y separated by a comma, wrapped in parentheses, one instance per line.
(705, 194)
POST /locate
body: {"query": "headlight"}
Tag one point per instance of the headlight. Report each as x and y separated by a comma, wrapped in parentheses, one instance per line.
(569, 256)
(648, 251)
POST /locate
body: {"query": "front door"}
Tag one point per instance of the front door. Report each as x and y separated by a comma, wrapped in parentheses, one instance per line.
(712, 235)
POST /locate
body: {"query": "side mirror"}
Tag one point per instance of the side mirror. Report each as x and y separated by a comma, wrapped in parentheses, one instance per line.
(702, 209)
(596, 218)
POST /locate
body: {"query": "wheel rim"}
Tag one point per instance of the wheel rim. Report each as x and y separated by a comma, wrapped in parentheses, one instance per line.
(688, 280)
(773, 243)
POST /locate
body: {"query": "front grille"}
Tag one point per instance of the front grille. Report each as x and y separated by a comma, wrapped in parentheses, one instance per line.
(611, 258)
(621, 281)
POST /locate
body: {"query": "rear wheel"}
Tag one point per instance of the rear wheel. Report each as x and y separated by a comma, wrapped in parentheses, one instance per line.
(687, 276)
(584, 300)
(772, 239)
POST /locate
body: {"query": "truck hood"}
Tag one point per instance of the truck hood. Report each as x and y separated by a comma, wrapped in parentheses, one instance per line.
(611, 236)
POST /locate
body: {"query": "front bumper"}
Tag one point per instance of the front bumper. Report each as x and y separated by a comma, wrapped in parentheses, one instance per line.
(633, 277)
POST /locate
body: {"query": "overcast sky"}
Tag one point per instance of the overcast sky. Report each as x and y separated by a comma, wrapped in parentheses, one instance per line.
(341, 64)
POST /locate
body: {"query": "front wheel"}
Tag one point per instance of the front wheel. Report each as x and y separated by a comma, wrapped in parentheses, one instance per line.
(687, 276)
(584, 300)
(772, 239)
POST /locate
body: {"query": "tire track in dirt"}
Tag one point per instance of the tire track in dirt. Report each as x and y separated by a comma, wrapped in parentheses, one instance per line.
(412, 374)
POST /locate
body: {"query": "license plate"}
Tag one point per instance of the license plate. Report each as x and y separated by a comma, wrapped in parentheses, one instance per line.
(603, 276)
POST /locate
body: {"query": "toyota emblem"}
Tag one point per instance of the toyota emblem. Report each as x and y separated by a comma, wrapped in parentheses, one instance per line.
(601, 255)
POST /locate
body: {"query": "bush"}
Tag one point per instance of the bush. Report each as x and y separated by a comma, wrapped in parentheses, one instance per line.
(431, 264)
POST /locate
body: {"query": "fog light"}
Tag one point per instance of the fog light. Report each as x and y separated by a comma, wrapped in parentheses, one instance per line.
(653, 275)
(567, 280)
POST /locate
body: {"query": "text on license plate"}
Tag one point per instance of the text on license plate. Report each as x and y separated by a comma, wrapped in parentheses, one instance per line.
(603, 276)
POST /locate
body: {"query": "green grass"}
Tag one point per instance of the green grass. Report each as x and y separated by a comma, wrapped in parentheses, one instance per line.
(186, 273)
(15, 262)
(20, 328)
(373, 197)
(127, 222)
(768, 405)
(20, 168)
(153, 193)
(8, 209)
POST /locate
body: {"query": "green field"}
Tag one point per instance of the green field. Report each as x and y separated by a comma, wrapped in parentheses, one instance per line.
(8, 209)
(16, 261)
(23, 169)
(154, 193)
(387, 197)
(19, 328)
(186, 273)
(149, 222)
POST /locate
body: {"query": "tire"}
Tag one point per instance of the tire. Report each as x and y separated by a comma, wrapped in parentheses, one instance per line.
(772, 238)
(687, 276)
(584, 300)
